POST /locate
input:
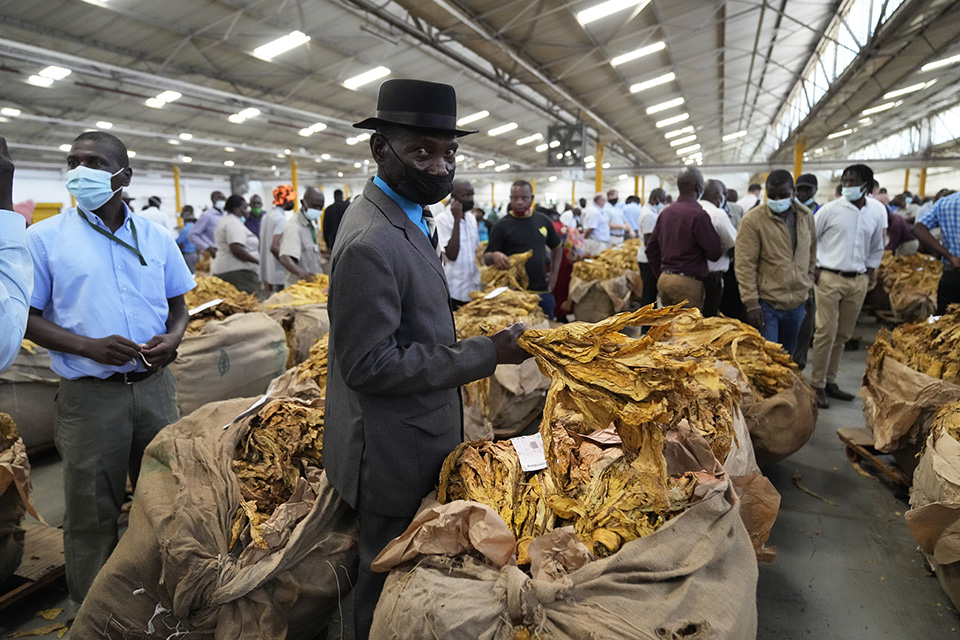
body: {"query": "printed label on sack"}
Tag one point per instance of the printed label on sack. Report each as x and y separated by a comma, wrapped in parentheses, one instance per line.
(204, 306)
(530, 450)
(495, 293)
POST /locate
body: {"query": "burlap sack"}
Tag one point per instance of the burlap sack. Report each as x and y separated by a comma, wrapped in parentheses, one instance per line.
(899, 402)
(781, 424)
(289, 385)
(695, 577)
(934, 519)
(596, 300)
(236, 357)
(16, 498)
(27, 390)
(911, 304)
(173, 571)
(516, 395)
(303, 326)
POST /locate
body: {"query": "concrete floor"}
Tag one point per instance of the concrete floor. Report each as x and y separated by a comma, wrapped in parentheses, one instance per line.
(845, 571)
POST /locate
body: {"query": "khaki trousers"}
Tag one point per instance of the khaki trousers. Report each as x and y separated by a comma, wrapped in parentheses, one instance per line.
(839, 301)
(674, 289)
(101, 430)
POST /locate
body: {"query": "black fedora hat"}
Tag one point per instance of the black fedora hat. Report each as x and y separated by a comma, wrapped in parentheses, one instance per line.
(416, 103)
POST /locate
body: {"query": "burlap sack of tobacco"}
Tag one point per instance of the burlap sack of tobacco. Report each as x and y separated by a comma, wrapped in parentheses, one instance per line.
(899, 402)
(303, 325)
(694, 577)
(27, 390)
(781, 424)
(15, 496)
(934, 519)
(510, 400)
(595, 300)
(236, 357)
(911, 303)
(174, 571)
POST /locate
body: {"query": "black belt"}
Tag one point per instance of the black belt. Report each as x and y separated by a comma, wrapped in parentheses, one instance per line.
(127, 377)
(685, 275)
(844, 274)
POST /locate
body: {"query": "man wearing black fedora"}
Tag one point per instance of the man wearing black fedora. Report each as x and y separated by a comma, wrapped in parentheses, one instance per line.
(395, 365)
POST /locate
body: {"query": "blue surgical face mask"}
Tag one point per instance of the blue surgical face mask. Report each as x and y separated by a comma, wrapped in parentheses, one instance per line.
(809, 202)
(91, 187)
(723, 201)
(779, 206)
(312, 214)
(852, 194)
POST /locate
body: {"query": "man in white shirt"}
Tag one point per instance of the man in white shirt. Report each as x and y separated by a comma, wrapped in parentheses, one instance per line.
(849, 249)
(570, 217)
(596, 227)
(645, 224)
(613, 209)
(272, 274)
(16, 267)
(714, 197)
(153, 213)
(459, 236)
(752, 198)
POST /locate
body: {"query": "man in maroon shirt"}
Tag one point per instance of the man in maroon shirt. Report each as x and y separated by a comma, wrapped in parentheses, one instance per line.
(681, 244)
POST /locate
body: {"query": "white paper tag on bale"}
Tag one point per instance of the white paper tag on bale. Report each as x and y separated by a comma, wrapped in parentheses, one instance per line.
(495, 293)
(205, 306)
(530, 450)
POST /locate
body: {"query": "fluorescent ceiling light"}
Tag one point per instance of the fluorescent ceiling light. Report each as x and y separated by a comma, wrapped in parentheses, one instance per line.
(352, 141)
(605, 165)
(325, 156)
(186, 136)
(473, 117)
(840, 134)
(677, 132)
(306, 132)
(906, 90)
(663, 106)
(590, 165)
(733, 136)
(10, 111)
(683, 140)
(622, 176)
(686, 150)
(55, 73)
(131, 153)
(554, 144)
(287, 152)
(249, 112)
(318, 127)
(673, 120)
(169, 96)
(502, 167)
(65, 148)
(542, 147)
(155, 103)
(317, 160)
(281, 45)
(589, 159)
(366, 77)
(647, 84)
(866, 122)
(363, 137)
(228, 163)
(39, 81)
(357, 165)
(882, 107)
(186, 158)
(236, 118)
(638, 53)
(552, 179)
(103, 124)
(940, 63)
(460, 158)
(173, 142)
(559, 156)
(607, 8)
(510, 126)
(531, 138)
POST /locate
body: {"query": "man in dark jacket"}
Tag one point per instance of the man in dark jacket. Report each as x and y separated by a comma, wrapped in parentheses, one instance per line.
(393, 403)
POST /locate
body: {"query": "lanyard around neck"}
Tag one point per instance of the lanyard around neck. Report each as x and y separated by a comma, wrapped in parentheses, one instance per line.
(134, 249)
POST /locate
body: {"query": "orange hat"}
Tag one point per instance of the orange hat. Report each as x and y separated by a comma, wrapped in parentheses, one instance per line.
(284, 194)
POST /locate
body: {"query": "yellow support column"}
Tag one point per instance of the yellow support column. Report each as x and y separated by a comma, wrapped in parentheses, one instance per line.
(798, 147)
(294, 179)
(533, 187)
(493, 199)
(636, 186)
(599, 163)
(176, 189)
(922, 190)
(906, 181)
(643, 191)
(573, 193)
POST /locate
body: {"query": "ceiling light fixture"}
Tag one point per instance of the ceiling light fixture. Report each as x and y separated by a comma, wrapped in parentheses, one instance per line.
(882, 107)
(39, 81)
(460, 159)
(733, 136)
(351, 141)
(186, 158)
(65, 148)
(249, 112)
(840, 134)
(605, 165)
(186, 136)
(531, 138)
(683, 140)
(103, 124)
(906, 90)
(131, 153)
(678, 132)
(554, 144)
(638, 53)
(510, 126)
(607, 8)
(540, 148)
(281, 45)
(655, 82)
(366, 77)
(357, 165)
(55, 73)
(325, 156)
(622, 177)
(363, 137)
(590, 165)
(687, 150)
(552, 179)
(155, 103)
(10, 111)
(473, 117)
(663, 106)
(169, 96)
(228, 163)
(173, 142)
(936, 64)
(673, 120)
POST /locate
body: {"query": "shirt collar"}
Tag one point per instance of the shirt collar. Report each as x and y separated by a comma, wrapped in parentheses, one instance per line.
(413, 210)
(95, 219)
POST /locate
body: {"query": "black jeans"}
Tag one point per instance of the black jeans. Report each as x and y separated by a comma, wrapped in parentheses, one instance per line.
(806, 332)
(649, 293)
(949, 290)
(713, 289)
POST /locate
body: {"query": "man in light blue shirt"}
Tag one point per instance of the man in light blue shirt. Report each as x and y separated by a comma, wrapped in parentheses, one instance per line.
(944, 215)
(16, 270)
(108, 304)
(631, 213)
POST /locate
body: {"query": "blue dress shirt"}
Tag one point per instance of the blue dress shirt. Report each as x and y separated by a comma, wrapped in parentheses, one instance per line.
(413, 210)
(16, 283)
(94, 287)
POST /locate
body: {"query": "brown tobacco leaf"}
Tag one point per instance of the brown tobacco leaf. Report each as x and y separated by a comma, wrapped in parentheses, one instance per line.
(484, 316)
(315, 366)
(8, 431)
(210, 288)
(918, 272)
(947, 421)
(927, 347)
(283, 438)
(515, 277)
(305, 292)
(610, 263)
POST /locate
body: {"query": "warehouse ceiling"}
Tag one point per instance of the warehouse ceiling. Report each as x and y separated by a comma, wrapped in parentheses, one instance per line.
(730, 66)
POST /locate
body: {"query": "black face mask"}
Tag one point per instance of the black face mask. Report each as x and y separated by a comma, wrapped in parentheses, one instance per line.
(613, 201)
(467, 205)
(420, 186)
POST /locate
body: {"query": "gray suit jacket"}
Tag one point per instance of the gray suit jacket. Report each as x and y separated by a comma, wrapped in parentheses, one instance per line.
(393, 409)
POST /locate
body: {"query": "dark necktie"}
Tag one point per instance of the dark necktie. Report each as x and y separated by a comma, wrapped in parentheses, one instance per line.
(432, 227)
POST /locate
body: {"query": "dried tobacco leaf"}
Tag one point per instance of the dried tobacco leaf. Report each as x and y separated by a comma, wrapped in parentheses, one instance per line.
(947, 421)
(928, 347)
(610, 263)
(918, 272)
(515, 277)
(315, 366)
(305, 292)
(281, 440)
(211, 288)
(8, 431)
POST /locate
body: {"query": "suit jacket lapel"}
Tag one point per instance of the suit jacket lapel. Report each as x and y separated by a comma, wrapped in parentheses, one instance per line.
(398, 218)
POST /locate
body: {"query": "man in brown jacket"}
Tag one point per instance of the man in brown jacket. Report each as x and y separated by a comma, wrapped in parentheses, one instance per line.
(776, 257)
